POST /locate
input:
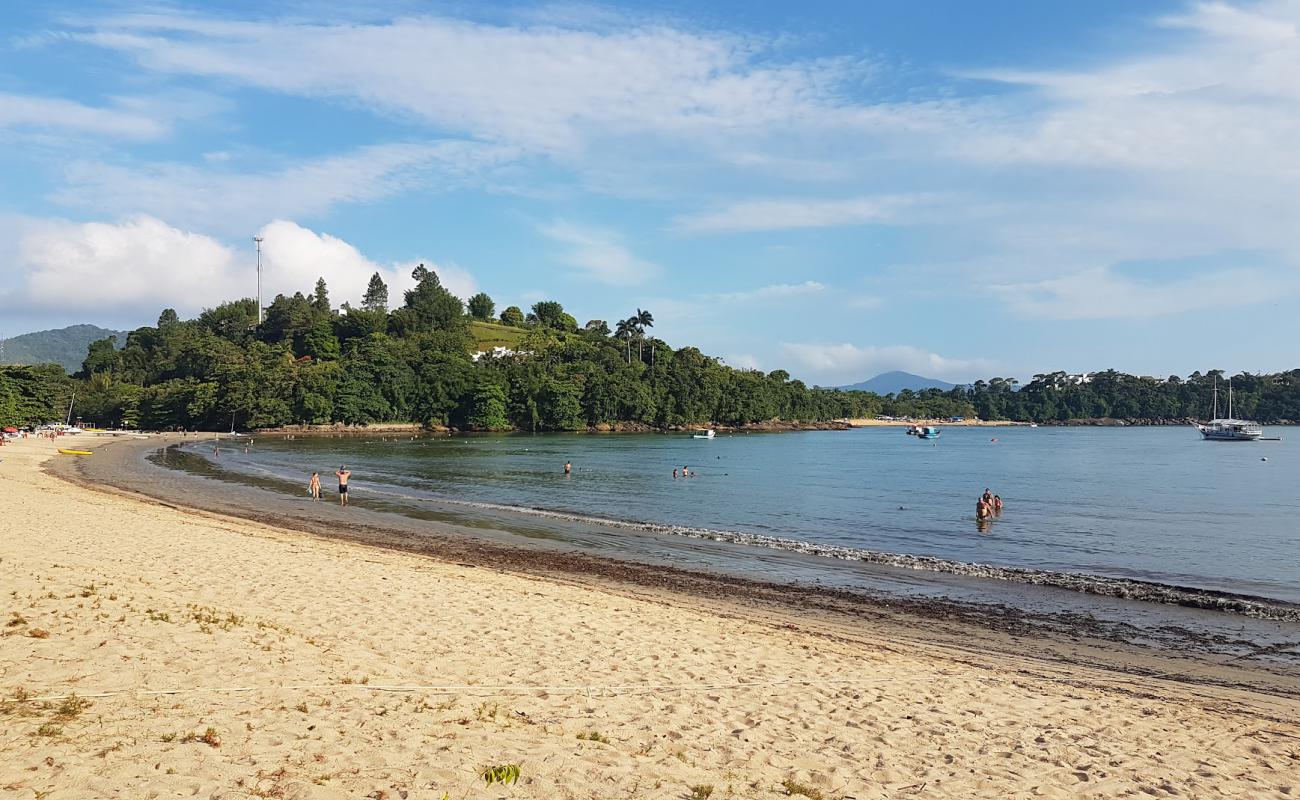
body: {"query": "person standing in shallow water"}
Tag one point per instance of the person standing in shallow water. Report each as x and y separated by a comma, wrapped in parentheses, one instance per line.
(344, 473)
(314, 486)
(568, 468)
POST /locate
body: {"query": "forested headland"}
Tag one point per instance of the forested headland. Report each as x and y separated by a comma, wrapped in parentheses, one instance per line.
(420, 361)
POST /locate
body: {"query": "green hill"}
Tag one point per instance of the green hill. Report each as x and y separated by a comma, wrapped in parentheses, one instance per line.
(64, 346)
(487, 335)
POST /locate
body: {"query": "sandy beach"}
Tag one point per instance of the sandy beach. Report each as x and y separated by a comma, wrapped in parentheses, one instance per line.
(153, 651)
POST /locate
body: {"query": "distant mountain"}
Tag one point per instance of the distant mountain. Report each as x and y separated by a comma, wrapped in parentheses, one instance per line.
(895, 382)
(66, 346)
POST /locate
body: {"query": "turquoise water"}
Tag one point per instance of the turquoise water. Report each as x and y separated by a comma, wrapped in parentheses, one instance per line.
(1151, 504)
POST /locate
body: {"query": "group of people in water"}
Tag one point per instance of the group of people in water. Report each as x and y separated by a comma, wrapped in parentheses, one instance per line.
(988, 506)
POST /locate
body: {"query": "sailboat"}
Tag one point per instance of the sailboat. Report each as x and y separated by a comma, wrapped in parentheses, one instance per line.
(1228, 429)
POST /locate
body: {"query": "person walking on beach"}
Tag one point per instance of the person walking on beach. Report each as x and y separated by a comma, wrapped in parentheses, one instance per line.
(343, 475)
(314, 487)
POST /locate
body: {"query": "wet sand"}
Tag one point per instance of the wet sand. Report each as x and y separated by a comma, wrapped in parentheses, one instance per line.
(347, 658)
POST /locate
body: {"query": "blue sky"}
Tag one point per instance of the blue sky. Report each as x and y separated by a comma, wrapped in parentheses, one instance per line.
(837, 189)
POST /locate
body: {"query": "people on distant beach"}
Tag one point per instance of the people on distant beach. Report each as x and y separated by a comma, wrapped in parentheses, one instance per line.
(314, 487)
(343, 474)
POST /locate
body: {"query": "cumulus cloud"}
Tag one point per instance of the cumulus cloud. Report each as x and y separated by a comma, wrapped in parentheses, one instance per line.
(141, 265)
(598, 253)
(832, 364)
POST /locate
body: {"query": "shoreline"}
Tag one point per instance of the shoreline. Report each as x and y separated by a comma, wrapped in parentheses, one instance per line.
(1115, 645)
(221, 656)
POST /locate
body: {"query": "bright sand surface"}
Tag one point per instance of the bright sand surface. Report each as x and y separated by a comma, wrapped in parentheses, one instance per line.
(300, 662)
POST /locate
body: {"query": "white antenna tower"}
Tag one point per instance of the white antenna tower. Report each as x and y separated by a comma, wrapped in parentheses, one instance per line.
(258, 241)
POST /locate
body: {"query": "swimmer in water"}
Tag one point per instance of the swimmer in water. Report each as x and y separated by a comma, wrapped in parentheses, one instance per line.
(997, 504)
(568, 468)
(674, 473)
(982, 511)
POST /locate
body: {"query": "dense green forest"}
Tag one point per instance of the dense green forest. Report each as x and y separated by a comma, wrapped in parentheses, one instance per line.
(310, 362)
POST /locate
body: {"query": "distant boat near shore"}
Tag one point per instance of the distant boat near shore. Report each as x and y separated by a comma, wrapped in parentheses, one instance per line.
(1228, 429)
(706, 434)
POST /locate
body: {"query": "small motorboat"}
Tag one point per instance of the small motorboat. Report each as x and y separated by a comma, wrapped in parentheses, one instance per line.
(706, 434)
(67, 452)
(928, 432)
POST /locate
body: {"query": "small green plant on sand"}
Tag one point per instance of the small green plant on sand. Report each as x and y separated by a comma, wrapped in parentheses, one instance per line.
(702, 791)
(49, 729)
(793, 787)
(593, 736)
(208, 737)
(71, 707)
(504, 774)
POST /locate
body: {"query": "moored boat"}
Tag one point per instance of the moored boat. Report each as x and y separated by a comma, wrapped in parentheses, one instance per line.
(928, 432)
(706, 434)
(1228, 429)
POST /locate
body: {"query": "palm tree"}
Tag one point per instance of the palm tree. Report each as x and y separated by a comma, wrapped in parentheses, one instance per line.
(642, 320)
(625, 328)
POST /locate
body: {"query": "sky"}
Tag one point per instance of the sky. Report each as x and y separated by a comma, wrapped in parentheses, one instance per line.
(955, 189)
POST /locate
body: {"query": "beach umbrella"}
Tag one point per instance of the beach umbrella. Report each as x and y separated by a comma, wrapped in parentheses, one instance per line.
(11, 430)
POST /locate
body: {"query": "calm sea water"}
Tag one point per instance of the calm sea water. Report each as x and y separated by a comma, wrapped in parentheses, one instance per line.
(1155, 504)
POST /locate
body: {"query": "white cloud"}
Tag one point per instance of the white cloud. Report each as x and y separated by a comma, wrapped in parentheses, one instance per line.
(141, 265)
(237, 201)
(52, 113)
(743, 361)
(1101, 294)
(776, 290)
(599, 254)
(773, 215)
(831, 364)
(293, 257)
(549, 87)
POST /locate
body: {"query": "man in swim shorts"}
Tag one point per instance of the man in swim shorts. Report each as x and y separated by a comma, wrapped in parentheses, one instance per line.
(343, 474)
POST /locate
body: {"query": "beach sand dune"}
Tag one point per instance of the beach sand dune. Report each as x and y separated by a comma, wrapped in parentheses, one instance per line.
(212, 657)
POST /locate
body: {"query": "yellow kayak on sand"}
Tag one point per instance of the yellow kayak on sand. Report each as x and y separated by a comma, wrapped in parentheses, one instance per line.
(74, 452)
